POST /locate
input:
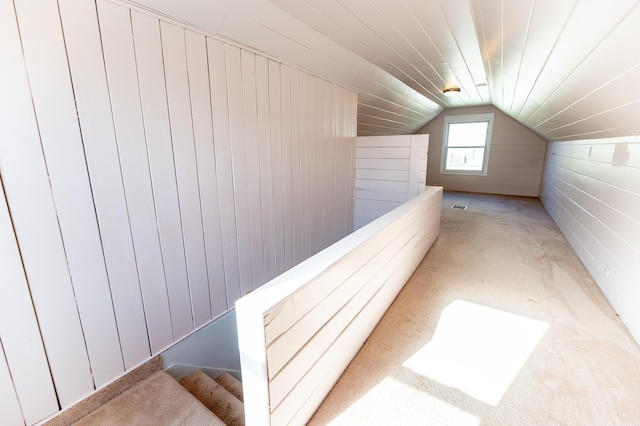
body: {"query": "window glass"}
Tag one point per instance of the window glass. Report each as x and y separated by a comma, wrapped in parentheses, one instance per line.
(466, 144)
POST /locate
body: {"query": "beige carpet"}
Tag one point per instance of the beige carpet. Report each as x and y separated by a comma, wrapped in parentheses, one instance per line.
(500, 325)
(158, 400)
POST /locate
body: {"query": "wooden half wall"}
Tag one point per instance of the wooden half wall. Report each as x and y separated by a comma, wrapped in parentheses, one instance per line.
(389, 171)
(299, 332)
(151, 175)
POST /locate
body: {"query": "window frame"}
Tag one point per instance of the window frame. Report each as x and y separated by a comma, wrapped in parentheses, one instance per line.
(468, 118)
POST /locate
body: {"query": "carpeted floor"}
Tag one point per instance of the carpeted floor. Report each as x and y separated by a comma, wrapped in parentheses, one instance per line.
(500, 325)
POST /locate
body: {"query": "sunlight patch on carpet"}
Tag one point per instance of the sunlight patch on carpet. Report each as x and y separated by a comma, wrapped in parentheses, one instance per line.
(478, 350)
(376, 407)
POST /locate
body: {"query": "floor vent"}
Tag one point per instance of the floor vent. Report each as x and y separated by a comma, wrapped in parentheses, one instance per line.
(457, 206)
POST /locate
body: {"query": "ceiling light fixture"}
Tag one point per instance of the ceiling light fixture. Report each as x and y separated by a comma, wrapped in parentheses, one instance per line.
(451, 91)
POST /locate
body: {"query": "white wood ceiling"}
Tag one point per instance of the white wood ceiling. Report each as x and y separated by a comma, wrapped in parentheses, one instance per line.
(567, 69)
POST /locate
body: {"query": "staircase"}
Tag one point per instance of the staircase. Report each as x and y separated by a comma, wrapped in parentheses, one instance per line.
(222, 396)
(160, 400)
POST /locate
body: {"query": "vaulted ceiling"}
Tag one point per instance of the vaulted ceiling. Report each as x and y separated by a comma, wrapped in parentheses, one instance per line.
(567, 69)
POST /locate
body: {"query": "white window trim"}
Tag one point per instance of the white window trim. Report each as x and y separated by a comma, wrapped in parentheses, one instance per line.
(470, 118)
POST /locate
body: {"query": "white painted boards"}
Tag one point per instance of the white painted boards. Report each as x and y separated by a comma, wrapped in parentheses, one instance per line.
(151, 176)
(389, 171)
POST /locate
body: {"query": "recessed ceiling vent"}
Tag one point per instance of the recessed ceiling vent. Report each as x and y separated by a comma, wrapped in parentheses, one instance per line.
(459, 207)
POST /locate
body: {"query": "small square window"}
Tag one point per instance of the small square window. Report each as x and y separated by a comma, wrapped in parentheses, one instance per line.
(465, 144)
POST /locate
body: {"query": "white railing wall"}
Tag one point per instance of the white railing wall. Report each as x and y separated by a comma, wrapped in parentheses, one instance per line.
(389, 171)
(299, 332)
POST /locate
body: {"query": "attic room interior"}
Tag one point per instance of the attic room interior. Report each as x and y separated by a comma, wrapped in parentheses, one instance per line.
(277, 191)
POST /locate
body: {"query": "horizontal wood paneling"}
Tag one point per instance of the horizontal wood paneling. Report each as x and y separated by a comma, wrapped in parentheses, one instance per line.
(590, 190)
(145, 165)
(392, 175)
(515, 163)
(392, 165)
(383, 164)
(299, 332)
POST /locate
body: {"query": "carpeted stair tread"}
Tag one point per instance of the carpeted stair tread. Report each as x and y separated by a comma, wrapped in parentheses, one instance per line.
(216, 398)
(157, 400)
(230, 383)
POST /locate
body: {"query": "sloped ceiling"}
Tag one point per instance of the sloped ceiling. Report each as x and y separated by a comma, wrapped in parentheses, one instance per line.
(566, 69)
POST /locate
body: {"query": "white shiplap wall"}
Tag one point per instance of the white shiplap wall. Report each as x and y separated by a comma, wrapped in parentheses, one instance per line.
(151, 176)
(515, 163)
(591, 189)
(390, 170)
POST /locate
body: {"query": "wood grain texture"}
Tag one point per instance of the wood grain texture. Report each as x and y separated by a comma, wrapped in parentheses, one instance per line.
(341, 306)
(312, 320)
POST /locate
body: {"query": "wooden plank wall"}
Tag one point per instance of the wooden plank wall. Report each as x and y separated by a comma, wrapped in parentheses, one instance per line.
(389, 171)
(299, 332)
(151, 175)
(515, 163)
(591, 189)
